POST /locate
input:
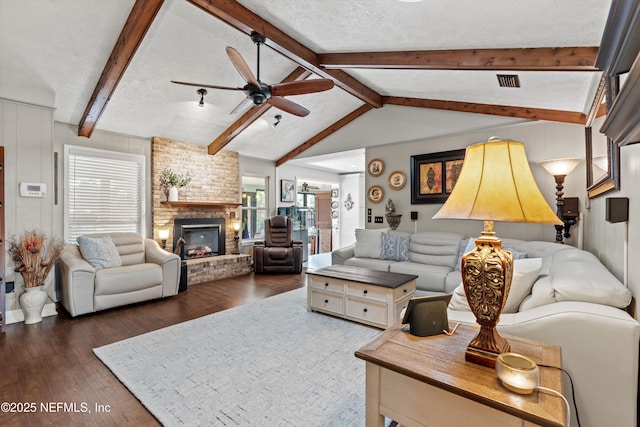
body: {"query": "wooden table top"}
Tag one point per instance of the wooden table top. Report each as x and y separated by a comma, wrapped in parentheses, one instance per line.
(364, 275)
(439, 361)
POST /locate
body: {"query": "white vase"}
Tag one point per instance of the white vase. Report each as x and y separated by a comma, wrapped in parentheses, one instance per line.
(32, 302)
(173, 194)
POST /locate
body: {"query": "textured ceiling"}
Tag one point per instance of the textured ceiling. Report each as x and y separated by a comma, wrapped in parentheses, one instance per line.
(52, 53)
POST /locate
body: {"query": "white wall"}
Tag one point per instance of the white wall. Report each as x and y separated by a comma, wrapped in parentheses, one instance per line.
(606, 240)
(298, 173)
(354, 218)
(543, 141)
(27, 137)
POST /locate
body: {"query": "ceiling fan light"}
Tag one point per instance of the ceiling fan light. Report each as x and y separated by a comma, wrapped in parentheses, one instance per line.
(277, 117)
(202, 93)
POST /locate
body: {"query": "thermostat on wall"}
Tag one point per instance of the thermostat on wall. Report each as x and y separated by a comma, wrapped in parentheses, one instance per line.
(30, 189)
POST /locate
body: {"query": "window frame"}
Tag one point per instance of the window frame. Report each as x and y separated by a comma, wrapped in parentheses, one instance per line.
(81, 151)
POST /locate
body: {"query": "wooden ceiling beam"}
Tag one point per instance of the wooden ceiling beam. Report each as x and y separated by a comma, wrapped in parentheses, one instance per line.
(495, 110)
(529, 59)
(250, 116)
(243, 19)
(324, 133)
(140, 19)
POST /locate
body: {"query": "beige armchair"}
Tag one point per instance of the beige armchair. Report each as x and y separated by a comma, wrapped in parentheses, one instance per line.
(146, 272)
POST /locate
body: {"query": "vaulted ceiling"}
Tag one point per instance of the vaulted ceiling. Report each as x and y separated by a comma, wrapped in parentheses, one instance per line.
(402, 71)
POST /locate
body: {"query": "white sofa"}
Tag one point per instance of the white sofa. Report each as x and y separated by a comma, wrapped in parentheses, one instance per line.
(560, 295)
(144, 271)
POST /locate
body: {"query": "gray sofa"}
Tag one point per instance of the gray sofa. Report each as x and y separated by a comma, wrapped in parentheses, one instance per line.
(432, 256)
(560, 295)
(144, 272)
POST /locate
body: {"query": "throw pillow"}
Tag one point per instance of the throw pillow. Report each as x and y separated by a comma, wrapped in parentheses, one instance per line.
(462, 246)
(514, 252)
(369, 242)
(100, 251)
(395, 247)
(525, 274)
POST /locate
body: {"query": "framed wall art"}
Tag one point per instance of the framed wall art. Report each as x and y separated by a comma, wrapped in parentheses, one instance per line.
(397, 180)
(375, 194)
(287, 190)
(375, 167)
(434, 175)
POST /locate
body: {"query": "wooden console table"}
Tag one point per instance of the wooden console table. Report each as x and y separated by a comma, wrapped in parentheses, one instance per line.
(427, 382)
(363, 295)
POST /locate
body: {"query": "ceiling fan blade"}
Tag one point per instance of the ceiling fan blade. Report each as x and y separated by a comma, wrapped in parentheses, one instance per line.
(243, 106)
(241, 66)
(288, 106)
(301, 87)
(208, 86)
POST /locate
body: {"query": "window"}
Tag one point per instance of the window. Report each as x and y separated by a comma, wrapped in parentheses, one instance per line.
(254, 206)
(104, 192)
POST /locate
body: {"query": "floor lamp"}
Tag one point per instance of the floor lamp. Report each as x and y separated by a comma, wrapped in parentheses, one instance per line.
(560, 168)
(495, 184)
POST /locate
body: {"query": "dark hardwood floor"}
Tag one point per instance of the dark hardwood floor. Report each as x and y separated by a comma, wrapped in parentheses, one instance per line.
(51, 364)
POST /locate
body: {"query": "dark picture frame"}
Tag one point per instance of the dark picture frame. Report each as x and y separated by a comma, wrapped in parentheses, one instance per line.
(287, 190)
(434, 175)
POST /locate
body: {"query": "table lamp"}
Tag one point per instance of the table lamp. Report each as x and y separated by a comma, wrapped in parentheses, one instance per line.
(495, 184)
(163, 234)
(236, 238)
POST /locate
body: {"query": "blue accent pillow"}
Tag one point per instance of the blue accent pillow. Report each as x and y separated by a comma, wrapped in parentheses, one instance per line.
(462, 246)
(395, 247)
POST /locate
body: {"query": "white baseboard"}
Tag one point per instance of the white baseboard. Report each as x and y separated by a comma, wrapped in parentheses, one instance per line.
(15, 316)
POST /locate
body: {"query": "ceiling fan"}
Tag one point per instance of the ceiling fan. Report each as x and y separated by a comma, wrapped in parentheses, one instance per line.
(258, 92)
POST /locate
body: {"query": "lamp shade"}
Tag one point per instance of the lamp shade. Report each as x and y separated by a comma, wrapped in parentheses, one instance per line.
(496, 184)
(560, 166)
(163, 233)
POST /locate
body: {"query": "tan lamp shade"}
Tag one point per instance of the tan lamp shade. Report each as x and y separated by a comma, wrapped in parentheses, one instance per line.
(496, 184)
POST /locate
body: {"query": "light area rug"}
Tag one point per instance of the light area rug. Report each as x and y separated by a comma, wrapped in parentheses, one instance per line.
(267, 363)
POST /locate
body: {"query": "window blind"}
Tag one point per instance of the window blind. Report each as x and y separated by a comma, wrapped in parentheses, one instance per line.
(104, 192)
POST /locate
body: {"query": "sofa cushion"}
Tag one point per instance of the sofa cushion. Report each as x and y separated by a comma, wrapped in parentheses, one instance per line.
(372, 263)
(435, 248)
(99, 251)
(369, 242)
(131, 278)
(430, 277)
(525, 273)
(578, 275)
(395, 246)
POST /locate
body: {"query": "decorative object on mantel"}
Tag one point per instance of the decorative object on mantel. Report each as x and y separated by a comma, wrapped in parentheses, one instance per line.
(397, 180)
(375, 194)
(34, 255)
(348, 204)
(375, 167)
(304, 187)
(393, 218)
(171, 181)
(495, 184)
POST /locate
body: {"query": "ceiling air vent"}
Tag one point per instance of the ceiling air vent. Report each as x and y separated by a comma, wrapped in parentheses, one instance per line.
(508, 80)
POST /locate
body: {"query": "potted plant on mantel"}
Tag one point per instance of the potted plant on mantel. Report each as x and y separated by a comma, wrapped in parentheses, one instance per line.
(171, 181)
(34, 255)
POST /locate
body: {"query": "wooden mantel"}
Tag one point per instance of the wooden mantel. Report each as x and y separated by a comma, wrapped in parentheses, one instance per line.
(200, 204)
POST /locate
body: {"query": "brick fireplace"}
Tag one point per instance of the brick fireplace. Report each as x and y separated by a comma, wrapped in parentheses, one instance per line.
(213, 195)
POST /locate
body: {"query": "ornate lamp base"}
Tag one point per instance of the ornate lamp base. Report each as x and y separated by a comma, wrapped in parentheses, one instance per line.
(486, 275)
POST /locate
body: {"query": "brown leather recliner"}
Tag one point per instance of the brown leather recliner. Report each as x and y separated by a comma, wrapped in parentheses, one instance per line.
(279, 253)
